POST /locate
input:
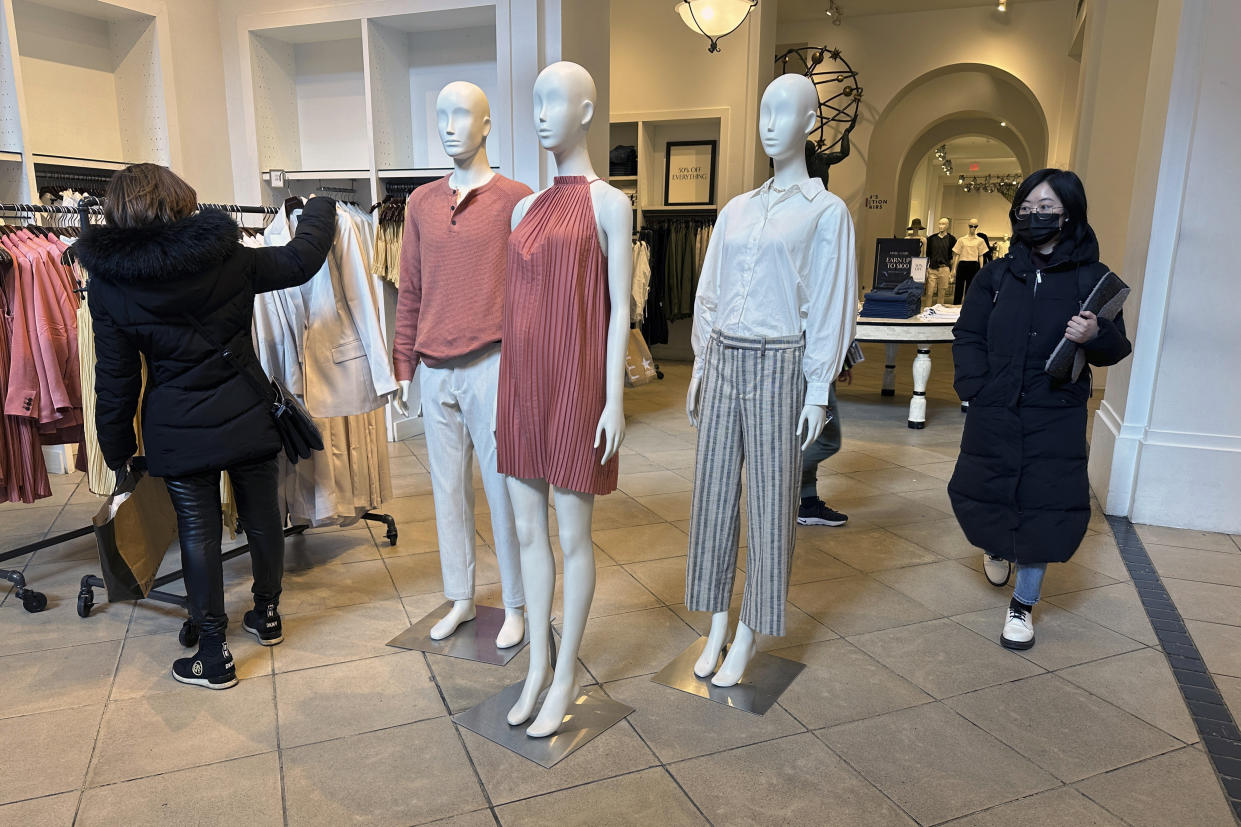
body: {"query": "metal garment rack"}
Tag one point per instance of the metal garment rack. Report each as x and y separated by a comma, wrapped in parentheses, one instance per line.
(34, 601)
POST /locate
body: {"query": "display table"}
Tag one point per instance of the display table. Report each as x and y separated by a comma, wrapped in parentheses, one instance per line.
(893, 332)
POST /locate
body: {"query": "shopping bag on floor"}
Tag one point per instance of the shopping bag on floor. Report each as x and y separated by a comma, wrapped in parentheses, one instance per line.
(133, 530)
(639, 365)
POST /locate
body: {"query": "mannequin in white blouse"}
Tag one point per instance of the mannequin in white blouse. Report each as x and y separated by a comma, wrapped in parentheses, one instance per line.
(789, 112)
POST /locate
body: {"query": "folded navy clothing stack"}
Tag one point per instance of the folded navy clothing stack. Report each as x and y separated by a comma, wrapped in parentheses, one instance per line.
(900, 302)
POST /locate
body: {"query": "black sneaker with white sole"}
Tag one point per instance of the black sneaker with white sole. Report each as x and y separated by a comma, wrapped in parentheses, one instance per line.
(264, 623)
(214, 670)
(813, 511)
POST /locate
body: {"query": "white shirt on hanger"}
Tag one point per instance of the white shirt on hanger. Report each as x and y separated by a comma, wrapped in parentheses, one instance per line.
(782, 263)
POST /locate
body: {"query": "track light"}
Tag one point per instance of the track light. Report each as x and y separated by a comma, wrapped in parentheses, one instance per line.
(1001, 5)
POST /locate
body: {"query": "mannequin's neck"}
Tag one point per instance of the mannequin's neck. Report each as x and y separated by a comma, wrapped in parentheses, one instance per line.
(790, 171)
(574, 160)
(470, 172)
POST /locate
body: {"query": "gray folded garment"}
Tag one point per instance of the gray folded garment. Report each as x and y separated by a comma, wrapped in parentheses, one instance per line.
(1105, 300)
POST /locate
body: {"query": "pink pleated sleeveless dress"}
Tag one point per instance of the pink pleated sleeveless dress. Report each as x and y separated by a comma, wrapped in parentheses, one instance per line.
(553, 360)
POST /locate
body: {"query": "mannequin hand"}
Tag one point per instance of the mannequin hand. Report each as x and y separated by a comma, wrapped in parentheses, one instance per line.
(610, 432)
(401, 400)
(1082, 328)
(810, 425)
(846, 376)
(691, 400)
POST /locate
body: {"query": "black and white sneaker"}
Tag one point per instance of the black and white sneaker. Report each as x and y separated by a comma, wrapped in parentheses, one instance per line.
(264, 623)
(1018, 630)
(214, 671)
(813, 511)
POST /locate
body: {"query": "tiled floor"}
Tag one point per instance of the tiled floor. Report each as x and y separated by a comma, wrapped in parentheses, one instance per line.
(908, 711)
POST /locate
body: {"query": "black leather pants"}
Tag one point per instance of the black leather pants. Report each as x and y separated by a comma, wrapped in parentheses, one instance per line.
(199, 522)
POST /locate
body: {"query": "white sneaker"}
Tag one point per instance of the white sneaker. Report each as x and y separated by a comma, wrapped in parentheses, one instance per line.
(1018, 630)
(997, 569)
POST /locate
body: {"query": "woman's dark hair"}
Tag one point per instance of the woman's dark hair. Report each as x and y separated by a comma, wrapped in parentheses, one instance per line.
(144, 194)
(1076, 235)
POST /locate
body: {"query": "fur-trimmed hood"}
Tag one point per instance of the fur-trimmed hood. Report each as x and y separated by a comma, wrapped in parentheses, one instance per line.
(158, 252)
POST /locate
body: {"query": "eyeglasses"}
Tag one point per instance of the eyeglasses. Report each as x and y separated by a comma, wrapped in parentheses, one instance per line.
(1041, 209)
(973, 226)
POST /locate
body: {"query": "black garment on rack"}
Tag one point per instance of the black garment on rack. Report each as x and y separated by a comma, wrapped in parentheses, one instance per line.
(655, 321)
(674, 266)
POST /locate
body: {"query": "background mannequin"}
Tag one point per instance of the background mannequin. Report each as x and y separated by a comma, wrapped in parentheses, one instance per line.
(449, 318)
(967, 259)
(940, 264)
(915, 230)
(747, 322)
(569, 217)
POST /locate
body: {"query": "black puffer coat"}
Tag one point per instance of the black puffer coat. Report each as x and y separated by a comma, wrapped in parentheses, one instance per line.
(1020, 489)
(198, 413)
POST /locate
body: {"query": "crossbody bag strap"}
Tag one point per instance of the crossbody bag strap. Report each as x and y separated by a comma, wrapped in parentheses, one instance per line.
(264, 391)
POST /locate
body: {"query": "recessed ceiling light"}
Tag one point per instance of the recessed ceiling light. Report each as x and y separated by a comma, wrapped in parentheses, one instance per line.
(1003, 123)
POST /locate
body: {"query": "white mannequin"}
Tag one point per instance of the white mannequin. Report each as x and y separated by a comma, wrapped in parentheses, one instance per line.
(788, 113)
(973, 233)
(464, 118)
(941, 227)
(564, 106)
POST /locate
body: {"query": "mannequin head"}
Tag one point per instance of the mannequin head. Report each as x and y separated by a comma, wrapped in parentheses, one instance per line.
(564, 105)
(787, 114)
(464, 119)
(973, 226)
(941, 226)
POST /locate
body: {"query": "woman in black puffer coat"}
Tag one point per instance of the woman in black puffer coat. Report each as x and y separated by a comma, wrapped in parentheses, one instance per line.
(153, 266)
(1020, 490)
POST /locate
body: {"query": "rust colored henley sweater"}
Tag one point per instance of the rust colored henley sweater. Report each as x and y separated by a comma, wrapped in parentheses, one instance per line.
(453, 261)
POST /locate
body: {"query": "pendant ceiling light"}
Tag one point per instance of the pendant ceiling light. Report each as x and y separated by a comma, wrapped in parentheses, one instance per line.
(715, 18)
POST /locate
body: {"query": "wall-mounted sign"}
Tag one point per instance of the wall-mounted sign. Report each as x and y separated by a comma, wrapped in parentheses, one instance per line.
(276, 177)
(894, 258)
(689, 174)
(874, 202)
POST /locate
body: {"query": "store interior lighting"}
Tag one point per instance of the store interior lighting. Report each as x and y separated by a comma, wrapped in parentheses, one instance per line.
(1001, 5)
(835, 12)
(715, 19)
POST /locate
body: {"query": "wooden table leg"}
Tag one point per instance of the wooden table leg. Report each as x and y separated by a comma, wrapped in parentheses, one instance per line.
(889, 371)
(922, 374)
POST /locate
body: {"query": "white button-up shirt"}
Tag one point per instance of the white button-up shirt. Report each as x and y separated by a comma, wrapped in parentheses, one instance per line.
(782, 263)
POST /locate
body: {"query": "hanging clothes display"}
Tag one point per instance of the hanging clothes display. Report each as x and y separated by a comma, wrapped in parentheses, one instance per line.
(641, 281)
(23, 474)
(326, 343)
(678, 247)
(389, 230)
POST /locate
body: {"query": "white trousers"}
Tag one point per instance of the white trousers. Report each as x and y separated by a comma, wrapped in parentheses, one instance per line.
(459, 415)
(939, 284)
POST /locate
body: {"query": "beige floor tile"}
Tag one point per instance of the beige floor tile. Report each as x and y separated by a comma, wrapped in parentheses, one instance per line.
(943, 537)
(1141, 684)
(934, 763)
(799, 627)
(947, 586)
(618, 510)
(939, 470)
(639, 543)
(349, 546)
(422, 573)
(936, 498)
(345, 585)
(811, 565)
(666, 578)
(634, 463)
(677, 725)
(841, 487)
(1060, 579)
(1099, 553)
(801, 780)
(640, 643)
(1206, 601)
(1061, 807)
(1062, 638)
(1185, 538)
(466, 684)
(854, 605)
(57, 678)
(244, 791)
(415, 538)
(338, 635)
(906, 455)
(146, 663)
(875, 550)
(1117, 607)
(943, 658)
(358, 696)
(413, 484)
(416, 509)
(849, 462)
(1176, 788)
(59, 625)
(654, 482)
(29, 519)
(509, 777)
(616, 592)
(887, 510)
(898, 479)
(1218, 646)
(1063, 729)
(478, 818)
(842, 683)
(1196, 564)
(678, 460)
(73, 517)
(410, 774)
(667, 507)
(49, 811)
(648, 797)
(47, 752)
(83, 549)
(1230, 689)
(149, 734)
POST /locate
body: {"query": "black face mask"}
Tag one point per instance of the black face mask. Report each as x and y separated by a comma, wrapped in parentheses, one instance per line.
(1036, 229)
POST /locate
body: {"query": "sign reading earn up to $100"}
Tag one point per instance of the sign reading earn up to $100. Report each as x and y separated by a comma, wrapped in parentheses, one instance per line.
(689, 174)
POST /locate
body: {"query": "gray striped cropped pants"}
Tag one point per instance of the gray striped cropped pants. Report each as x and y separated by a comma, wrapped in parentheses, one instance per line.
(752, 394)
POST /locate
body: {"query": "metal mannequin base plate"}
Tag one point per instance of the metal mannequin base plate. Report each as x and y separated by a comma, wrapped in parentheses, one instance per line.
(592, 714)
(761, 686)
(474, 640)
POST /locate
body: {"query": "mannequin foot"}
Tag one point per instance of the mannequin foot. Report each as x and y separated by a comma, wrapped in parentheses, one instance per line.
(513, 630)
(551, 716)
(739, 656)
(536, 682)
(461, 611)
(710, 656)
